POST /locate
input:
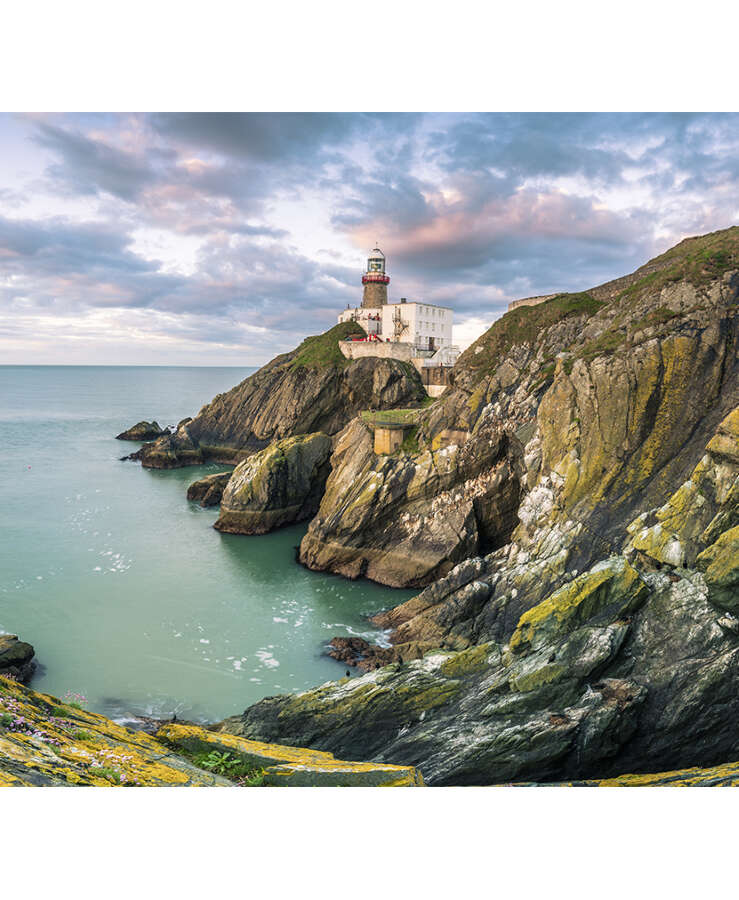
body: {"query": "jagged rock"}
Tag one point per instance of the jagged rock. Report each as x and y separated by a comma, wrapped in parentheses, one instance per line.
(172, 450)
(313, 388)
(142, 431)
(620, 407)
(277, 486)
(639, 382)
(715, 776)
(720, 565)
(209, 490)
(704, 506)
(16, 658)
(640, 677)
(406, 519)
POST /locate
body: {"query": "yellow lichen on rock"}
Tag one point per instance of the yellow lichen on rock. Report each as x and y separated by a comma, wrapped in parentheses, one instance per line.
(613, 587)
(44, 741)
(289, 766)
(726, 775)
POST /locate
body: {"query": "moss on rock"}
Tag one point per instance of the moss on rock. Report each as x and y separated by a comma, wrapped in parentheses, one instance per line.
(609, 590)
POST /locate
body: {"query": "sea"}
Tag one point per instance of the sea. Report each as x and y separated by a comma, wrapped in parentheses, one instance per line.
(128, 594)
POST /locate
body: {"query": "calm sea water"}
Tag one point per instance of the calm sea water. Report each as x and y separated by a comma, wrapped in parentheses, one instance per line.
(123, 587)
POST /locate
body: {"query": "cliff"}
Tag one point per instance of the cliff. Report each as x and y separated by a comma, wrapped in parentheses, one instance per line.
(601, 636)
(406, 519)
(311, 389)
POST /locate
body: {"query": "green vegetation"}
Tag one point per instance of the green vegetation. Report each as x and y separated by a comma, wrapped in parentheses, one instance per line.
(322, 350)
(230, 767)
(522, 326)
(82, 735)
(390, 416)
(6, 720)
(602, 345)
(410, 441)
(544, 375)
(697, 260)
(658, 316)
(112, 775)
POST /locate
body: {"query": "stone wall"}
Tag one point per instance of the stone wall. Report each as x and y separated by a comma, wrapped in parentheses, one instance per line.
(530, 301)
(383, 349)
(375, 294)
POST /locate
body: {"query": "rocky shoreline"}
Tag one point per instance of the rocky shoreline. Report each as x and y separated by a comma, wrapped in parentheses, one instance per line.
(568, 510)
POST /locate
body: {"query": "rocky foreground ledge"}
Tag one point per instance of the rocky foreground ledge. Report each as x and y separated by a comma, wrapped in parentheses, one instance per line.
(45, 741)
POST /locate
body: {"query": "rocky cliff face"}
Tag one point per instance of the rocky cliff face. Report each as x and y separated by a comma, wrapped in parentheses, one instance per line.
(406, 519)
(277, 486)
(601, 637)
(313, 388)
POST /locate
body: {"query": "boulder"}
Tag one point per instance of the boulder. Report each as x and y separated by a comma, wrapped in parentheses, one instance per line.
(16, 658)
(209, 490)
(277, 486)
(171, 450)
(142, 431)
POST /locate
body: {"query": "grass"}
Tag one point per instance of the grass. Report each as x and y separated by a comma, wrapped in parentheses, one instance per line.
(658, 316)
(522, 326)
(604, 344)
(698, 260)
(410, 441)
(322, 350)
(544, 375)
(390, 416)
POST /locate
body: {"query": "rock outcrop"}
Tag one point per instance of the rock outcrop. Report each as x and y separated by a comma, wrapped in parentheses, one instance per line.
(16, 658)
(313, 388)
(208, 491)
(142, 431)
(601, 638)
(44, 741)
(405, 519)
(282, 766)
(277, 486)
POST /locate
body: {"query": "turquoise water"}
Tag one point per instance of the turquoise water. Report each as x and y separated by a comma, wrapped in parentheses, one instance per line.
(123, 587)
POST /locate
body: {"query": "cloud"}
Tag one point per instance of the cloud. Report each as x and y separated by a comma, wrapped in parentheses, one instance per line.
(224, 227)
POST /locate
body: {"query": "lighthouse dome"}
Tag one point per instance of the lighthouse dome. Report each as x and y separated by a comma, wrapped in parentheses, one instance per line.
(377, 254)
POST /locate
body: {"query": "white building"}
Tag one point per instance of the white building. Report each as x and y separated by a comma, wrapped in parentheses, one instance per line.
(427, 327)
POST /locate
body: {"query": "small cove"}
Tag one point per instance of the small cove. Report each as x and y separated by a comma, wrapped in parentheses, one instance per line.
(123, 587)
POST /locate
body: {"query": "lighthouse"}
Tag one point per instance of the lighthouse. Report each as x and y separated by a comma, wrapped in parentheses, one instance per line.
(414, 332)
(375, 281)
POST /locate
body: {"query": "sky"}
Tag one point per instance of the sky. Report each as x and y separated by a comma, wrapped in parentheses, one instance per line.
(226, 238)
